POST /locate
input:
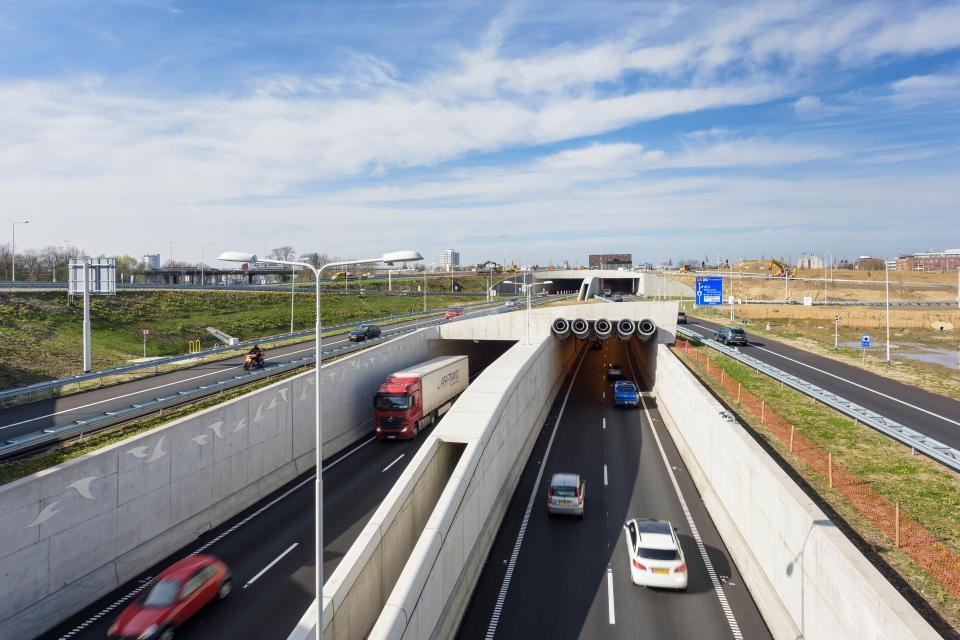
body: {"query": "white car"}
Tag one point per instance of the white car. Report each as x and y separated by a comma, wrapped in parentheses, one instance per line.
(656, 559)
(510, 303)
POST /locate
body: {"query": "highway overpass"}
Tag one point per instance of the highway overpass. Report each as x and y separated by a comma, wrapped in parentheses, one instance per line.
(592, 282)
(761, 556)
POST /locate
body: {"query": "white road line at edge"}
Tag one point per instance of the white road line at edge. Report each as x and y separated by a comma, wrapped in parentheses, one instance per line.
(865, 388)
(273, 562)
(143, 585)
(393, 463)
(717, 587)
(604, 475)
(610, 608)
(502, 596)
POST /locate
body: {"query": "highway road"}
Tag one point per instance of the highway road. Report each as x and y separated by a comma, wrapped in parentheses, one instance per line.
(929, 413)
(570, 578)
(53, 412)
(269, 549)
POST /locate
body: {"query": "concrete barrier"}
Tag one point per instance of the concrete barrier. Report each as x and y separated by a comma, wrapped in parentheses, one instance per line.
(74, 532)
(412, 569)
(807, 578)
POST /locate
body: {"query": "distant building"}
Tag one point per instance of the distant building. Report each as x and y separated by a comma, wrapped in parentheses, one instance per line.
(151, 260)
(934, 262)
(449, 259)
(611, 261)
(810, 262)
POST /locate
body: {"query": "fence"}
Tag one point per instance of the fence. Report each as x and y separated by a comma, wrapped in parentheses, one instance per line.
(923, 548)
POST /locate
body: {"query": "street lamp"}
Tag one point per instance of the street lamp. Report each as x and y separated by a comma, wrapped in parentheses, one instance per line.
(529, 288)
(205, 242)
(389, 258)
(13, 248)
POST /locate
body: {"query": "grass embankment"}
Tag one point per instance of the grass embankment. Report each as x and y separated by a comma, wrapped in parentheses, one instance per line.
(811, 329)
(927, 491)
(41, 332)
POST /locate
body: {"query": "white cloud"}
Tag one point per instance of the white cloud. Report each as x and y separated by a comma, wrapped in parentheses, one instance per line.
(926, 88)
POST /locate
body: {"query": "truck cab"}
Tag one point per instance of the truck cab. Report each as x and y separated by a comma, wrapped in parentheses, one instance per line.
(399, 410)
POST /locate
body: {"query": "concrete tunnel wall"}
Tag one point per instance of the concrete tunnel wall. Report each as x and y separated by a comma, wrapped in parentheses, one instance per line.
(807, 578)
(496, 420)
(74, 532)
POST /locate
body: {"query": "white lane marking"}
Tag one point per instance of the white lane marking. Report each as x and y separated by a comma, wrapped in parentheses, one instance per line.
(865, 388)
(717, 587)
(604, 395)
(148, 581)
(604, 475)
(393, 463)
(267, 568)
(610, 608)
(604, 423)
(502, 596)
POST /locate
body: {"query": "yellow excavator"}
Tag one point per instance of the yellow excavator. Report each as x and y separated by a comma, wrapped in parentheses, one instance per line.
(779, 269)
(685, 268)
(513, 268)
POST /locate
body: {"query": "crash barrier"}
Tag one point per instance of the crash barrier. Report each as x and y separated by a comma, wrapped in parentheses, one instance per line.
(76, 531)
(807, 578)
(55, 385)
(892, 518)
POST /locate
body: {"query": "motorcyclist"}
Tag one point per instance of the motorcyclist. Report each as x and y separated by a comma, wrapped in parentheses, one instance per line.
(256, 354)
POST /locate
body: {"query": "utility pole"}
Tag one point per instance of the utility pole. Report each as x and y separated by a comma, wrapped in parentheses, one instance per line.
(836, 331)
(87, 358)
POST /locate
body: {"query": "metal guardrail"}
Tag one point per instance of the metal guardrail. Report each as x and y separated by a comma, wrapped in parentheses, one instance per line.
(861, 303)
(915, 440)
(199, 355)
(45, 437)
(333, 289)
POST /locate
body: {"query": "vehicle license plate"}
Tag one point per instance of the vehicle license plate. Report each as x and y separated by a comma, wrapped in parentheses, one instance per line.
(661, 571)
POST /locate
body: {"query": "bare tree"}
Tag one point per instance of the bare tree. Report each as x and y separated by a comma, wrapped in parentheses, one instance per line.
(5, 261)
(283, 253)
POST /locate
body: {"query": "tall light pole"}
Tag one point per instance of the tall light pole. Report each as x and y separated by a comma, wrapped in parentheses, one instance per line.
(205, 242)
(396, 256)
(529, 288)
(887, 269)
(13, 248)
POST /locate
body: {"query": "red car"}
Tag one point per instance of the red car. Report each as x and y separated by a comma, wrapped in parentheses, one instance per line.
(177, 594)
(453, 313)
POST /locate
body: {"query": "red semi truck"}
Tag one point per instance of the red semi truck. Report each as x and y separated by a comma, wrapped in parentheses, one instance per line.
(414, 398)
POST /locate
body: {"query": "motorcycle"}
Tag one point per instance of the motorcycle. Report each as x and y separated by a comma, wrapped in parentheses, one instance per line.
(253, 361)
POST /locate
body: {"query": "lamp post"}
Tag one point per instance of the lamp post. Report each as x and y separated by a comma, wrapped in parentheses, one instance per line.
(13, 248)
(205, 242)
(887, 269)
(529, 288)
(395, 256)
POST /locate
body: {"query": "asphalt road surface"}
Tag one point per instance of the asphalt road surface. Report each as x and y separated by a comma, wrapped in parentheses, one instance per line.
(571, 577)
(53, 412)
(931, 414)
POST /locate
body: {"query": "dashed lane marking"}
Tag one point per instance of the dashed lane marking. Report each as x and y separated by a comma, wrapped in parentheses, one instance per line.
(273, 562)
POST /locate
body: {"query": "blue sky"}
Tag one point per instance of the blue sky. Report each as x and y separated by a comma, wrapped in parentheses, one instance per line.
(665, 130)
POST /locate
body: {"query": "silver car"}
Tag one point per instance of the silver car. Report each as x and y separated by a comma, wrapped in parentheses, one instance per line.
(565, 494)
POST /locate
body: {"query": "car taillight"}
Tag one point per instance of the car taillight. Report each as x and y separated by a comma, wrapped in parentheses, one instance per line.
(550, 492)
(636, 563)
(578, 492)
(681, 569)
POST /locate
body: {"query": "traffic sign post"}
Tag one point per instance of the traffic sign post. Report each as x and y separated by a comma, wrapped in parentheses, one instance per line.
(865, 344)
(709, 291)
(836, 331)
(146, 332)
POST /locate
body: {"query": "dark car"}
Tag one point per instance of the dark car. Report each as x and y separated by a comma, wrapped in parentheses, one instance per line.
(731, 335)
(681, 317)
(177, 594)
(365, 332)
(596, 345)
(615, 372)
(618, 298)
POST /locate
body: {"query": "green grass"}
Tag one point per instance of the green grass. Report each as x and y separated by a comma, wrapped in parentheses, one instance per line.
(41, 332)
(927, 491)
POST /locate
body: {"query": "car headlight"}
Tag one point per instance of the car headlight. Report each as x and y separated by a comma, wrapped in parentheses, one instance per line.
(114, 628)
(149, 632)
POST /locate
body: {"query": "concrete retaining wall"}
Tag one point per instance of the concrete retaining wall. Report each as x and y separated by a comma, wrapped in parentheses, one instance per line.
(807, 578)
(496, 421)
(74, 532)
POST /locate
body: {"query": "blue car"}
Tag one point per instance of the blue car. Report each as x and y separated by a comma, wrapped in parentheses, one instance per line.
(625, 394)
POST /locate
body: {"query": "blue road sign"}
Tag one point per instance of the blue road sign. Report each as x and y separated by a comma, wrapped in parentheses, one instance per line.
(709, 290)
(865, 340)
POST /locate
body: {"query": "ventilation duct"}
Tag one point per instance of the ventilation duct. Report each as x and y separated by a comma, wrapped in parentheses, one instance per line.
(561, 328)
(646, 329)
(625, 329)
(580, 328)
(602, 328)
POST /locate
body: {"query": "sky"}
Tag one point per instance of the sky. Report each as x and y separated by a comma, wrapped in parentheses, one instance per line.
(532, 131)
